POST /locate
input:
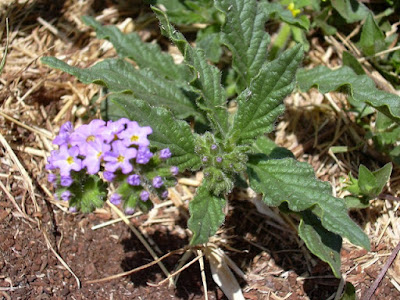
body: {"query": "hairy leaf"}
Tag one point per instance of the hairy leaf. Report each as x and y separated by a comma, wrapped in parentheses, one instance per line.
(323, 243)
(287, 180)
(360, 87)
(145, 55)
(262, 102)
(265, 146)
(120, 76)
(206, 78)
(245, 35)
(167, 131)
(206, 215)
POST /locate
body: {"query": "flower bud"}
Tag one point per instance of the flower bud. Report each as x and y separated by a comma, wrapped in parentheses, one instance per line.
(144, 195)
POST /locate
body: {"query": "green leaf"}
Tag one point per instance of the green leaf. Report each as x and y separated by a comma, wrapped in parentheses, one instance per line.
(145, 55)
(210, 42)
(356, 202)
(207, 78)
(244, 34)
(349, 292)
(206, 215)
(360, 87)
(323, 243)
(372, 183)
(352, 62)
(351, 10)
(267, 147)
(366, 180)
(120, 76)
(372, 39)
(320, 21)
(262, 102)
(167, 131)
(287, 180)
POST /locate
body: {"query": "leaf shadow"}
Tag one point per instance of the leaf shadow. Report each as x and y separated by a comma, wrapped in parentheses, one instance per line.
(270, 252)
(189, 285)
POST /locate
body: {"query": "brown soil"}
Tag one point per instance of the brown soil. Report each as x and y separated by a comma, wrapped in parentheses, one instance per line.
(42, 244)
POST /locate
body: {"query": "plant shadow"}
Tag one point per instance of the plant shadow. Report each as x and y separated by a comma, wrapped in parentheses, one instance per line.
(273, 252)
(189, 284)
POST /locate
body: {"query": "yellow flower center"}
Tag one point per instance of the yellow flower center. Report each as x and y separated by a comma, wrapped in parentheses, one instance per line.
(90, 138)
(134, 138)
(99, 154)
(120, 158)
(70, 160)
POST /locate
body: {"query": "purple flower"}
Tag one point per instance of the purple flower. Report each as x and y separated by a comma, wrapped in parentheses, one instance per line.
(85, 135)
(112, 129)
(50, 159)
(204, 159)
(66, 180)
(164, 194)
(144, 195)
(133, 179)
(119, 158)
(165, 153)
(157, 182)
(108, 176)
(144, 155)
(219, 159)
(116, 199)
(214, 147)
(66, 159)
(63, 136)
(66, 195)
(129, 211)
(94, 155)
(134, 134)
(174, 170)
(73, 209)
(52, 178)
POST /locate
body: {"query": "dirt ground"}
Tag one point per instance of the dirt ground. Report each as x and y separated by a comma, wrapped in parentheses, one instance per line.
(50, 253)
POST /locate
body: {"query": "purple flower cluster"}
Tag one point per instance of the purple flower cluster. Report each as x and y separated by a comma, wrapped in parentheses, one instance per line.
(113, 149)
(115, 143)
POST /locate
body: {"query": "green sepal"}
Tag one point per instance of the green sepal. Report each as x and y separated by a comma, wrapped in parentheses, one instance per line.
(88, 192)
(130, 194)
